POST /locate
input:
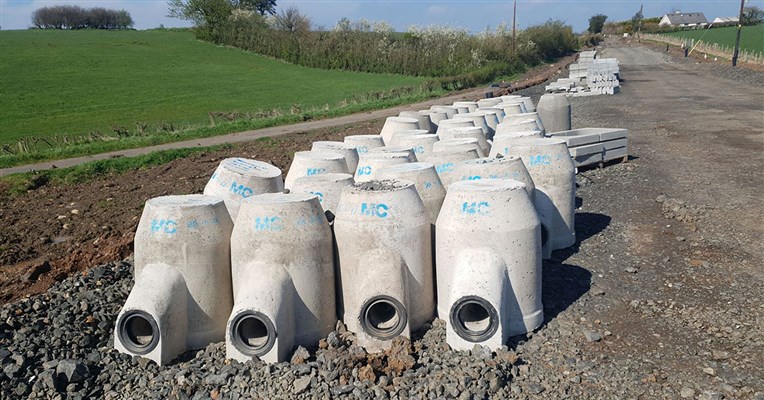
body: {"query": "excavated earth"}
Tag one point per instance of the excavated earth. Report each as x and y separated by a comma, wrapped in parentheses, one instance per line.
(661, 296)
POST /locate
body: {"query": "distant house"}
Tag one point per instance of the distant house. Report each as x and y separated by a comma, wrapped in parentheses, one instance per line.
(684, 20)
(725, 21)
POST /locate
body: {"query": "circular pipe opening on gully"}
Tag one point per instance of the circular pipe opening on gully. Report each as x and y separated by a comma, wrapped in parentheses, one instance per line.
(383, 317)
(138, 332)
(474, 319)
(253, 333)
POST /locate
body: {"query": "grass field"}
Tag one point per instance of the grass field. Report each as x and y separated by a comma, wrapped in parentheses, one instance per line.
(751, 38)
(76, 82)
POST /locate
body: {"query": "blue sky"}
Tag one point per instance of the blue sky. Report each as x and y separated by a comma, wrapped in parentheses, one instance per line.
(470, 14)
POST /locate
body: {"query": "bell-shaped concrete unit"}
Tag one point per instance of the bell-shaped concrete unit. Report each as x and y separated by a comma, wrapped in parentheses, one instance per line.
(328, 188)
(283, 277)
(551, 167)
(471, 105)
(449, 110)
(395, 124)
(349, 151)
(426, 181)
(520, 118)
(512, 108)
(422, 144)
(470, 133)
(496, 168)
(457, 145)
(384, 241)
(478, 119)
(424, 119)
(363, 143)
(528, 103)
(554, 110)
(182, 294)
(435, 118)
(489, 102)
(488, 252)
(308, 163)
(502, 142)
(397, 136)
(445, 162)
(512, 124)
(449, 124)
(238, 178)
(370, 163)
(397, 149)
(496, 116)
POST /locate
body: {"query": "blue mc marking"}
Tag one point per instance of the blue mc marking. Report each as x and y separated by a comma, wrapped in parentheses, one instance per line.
(476, 208)
(375, 210)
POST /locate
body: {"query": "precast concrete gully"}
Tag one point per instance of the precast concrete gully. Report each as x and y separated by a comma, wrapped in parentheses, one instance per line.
(182, 294)
(238, 178)
(349, 151)
(395, 124)
(328, 188)
(472, 132)
(425, 179)
(478, 119)
(449, 110)
(424, 119)
(496, 168)
(512, 108)
(502, 141)
(385, 256)
(471, 106)
(445, 161)
(435, 118)
(282, 266)
(489, 281)
(397, 136)
(522, 119)
(363, 143)
(457, 145)
(449, 124)
(554, 110)
(422, 144)
(370, 163)
(306, 163)
(390, 149)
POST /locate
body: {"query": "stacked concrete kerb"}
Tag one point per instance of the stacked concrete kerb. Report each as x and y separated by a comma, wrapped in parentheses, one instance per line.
(328, 188)
(363, 143)
(238, 178)
(549, 164)
(307, 163)
(488, 253)
(590, 146)
(384, 224)
(422, 144)
(370, 163)
(589, 76)
(555, 111)
(283, 277)
(395, 124)
(349, 151)
(426, 181)
(496, 168)
(182, 294)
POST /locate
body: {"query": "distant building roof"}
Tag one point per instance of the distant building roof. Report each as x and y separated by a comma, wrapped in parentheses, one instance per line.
(726, 20)
(683, 18)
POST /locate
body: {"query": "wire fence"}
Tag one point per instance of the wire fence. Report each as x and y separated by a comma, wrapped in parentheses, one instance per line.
(713, 49)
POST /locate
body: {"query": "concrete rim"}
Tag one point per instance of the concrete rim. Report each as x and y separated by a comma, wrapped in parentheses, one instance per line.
(474, 307)
(487, 185)
(241, 327)
(379, 308)
(128, 332)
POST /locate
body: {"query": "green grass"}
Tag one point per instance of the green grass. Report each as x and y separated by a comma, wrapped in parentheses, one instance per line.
(751, 38)
(71, 83)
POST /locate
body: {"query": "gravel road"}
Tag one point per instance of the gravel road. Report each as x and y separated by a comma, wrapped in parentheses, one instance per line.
(661, 297)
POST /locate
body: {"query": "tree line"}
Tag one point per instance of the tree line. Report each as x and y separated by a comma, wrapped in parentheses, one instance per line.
(75, 17)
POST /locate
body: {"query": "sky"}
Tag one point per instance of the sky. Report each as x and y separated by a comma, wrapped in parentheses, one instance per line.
(474, 15)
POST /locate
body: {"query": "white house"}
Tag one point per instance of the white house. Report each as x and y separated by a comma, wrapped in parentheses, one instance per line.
(684, 20)
(724, 21)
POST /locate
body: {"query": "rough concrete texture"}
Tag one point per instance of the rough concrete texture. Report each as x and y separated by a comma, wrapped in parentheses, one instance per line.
(471, 105)
(395, 124)
(488, 252)
(426, 181)
(554, 110)
(370, 163)
(489, 102)
(512, 107)
(457, 145)
(422, 144)
(517, 125)
(328, 188)
(182, 296)
(520, 118)
(435, 118)
(478, 119)
(449, 110)
(496, 116)
(282, 266)
(238, 178)
(363, 143)
(449, 124)
(397, 149)
(445, 162)
(501, 143)
(472, 132)
(397, 136)
(424, 119)
(505, 167)
(349, 151)
(307, 163)
(551, 167)
(384, 242)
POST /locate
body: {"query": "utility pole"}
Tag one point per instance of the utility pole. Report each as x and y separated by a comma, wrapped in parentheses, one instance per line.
(639, 27)
(514, 25)
(739, 28)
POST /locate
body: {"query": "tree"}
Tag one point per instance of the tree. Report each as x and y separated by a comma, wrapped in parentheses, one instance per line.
(596, 23)
(261, 6)
(73, 17)
(207, 13)
(752, 16)
(636, 20)
(291, 20)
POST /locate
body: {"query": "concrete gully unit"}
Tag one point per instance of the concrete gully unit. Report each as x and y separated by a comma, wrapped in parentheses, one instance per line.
(424, 119)
(238, 178)
(426, 181)
(470, 105)
(397, 136)
(383, 237)
(282, 266)
(470, 133)
(435, 118)
(512, 108)
(521, 118)
(363, 143)
(307, 163)
(488, 252)
(328, 188)
(495, 168)
(370, 163)
(422, 144)
(551, 167)
(182, 294)
(478, 119)
(349, 151)
(451, 145)
(501, 142)
(395, 124)
(396, 149)
(554, 110)
(449, 110)
(449, 124)
(445, 162)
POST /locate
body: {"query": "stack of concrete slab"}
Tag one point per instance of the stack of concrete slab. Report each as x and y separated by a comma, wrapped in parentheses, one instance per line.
(590, 146)
(590, 76)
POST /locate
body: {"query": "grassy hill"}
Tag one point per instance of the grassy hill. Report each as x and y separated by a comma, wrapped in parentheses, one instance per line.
(751, 39)
(76, 82)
